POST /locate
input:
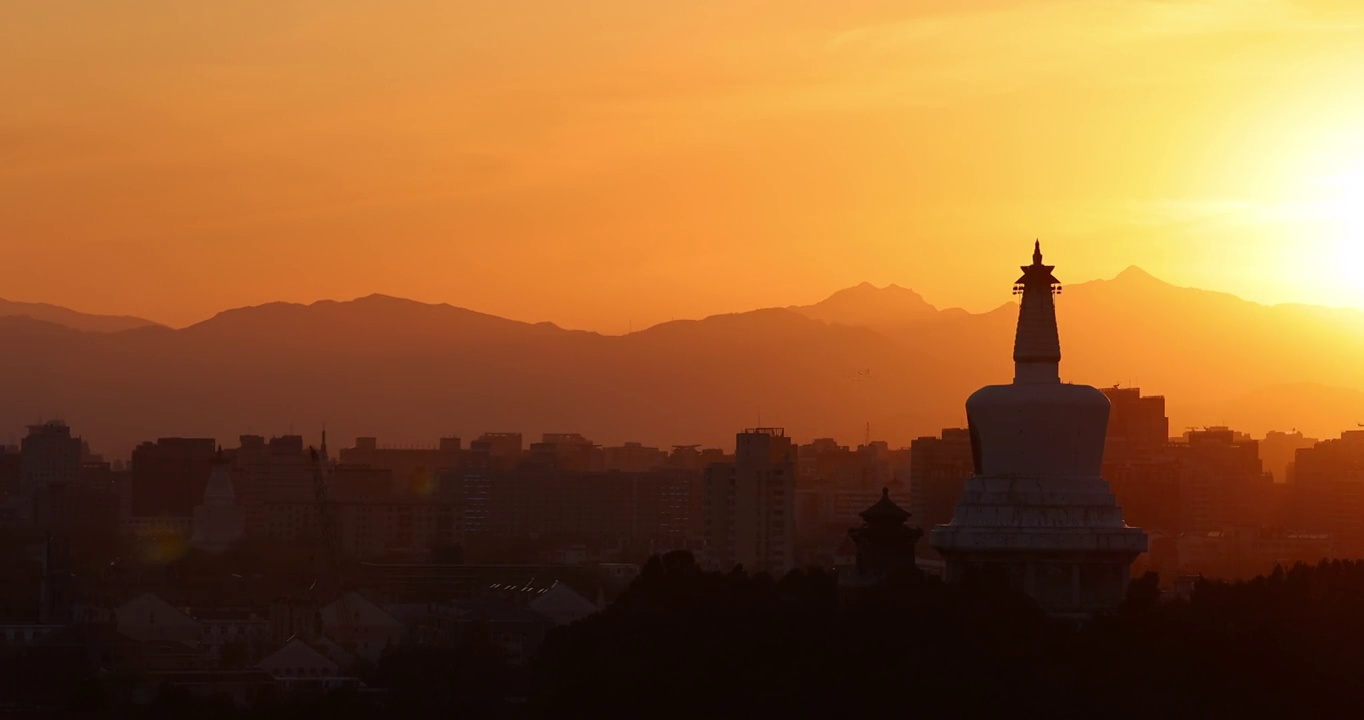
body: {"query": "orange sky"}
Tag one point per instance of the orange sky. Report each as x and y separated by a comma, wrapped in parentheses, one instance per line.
(629, 161)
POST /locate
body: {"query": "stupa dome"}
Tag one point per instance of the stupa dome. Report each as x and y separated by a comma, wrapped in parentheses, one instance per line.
(219, 490)
(218, 522)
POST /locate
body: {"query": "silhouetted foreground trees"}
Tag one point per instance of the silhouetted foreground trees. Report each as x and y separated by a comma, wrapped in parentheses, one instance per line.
(685, 643)
(682, 642)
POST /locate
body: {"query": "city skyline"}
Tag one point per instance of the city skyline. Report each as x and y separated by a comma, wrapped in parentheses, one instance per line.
(703, 159)
(527, 359)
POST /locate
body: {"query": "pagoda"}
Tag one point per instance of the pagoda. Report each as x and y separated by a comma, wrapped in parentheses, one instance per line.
(885, 544)
(1037, 507)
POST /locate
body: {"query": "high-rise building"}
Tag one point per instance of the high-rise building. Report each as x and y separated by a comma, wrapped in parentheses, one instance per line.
(1137, 425)
(750, 504)
(835, 483)
(11, 469)
(50, 469)
(498, 444)
(414, 470)
(50, 456)
(564, 451)
(1148, 488)
(1222, 482)
(1037, 508)
(633, 457)
(938, 468)
(608, 511)
(493, 452)
(694, 457)
(1139, 461)
(169, 476)
(91, 509)
(1278, 451)
(1327, 492)
(825, 463)
(280, 469)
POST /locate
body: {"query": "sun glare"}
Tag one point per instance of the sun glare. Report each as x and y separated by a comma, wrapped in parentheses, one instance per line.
(1343, 215)
(1343, 195)
(1328, 222)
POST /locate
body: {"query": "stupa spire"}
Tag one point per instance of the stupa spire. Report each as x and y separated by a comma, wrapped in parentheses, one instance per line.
(1037, 344)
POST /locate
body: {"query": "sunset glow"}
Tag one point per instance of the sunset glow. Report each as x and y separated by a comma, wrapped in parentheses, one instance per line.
(1343, 207)
(681, 358)
(1325, 213)
(675, 159)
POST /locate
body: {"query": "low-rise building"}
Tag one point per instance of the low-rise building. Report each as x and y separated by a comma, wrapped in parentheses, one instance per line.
(148, 618)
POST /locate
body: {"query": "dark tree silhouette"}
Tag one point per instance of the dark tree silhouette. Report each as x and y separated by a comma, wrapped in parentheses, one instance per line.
(681, 642)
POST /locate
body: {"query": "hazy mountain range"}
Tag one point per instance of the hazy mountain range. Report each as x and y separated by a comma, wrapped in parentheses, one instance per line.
(70, 318)
(410, 372)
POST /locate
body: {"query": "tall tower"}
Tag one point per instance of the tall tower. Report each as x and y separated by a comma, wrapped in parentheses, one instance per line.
(750, 504)
(51, 456)
(50, 466)
(1037, 506)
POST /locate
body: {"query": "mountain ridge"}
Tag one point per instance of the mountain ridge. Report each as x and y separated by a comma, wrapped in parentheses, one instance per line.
(74, 319)
(406, 370)
(827, 310)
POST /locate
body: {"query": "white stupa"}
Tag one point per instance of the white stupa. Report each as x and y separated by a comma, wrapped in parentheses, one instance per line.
(219, 522)
(1037, 506)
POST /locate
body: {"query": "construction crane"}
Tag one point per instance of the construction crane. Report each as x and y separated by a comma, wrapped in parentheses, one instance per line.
(330, 584)
(299, 614)
(329, 535)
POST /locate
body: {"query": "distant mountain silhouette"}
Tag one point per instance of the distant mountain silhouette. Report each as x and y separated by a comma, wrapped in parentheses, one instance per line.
(1208, 352)
(84, 322)
(1202, 348)
(891, 307)
(408, 371)
(1336, 409)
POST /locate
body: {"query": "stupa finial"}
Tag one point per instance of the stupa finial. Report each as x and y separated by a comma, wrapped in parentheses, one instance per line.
(1037, 345)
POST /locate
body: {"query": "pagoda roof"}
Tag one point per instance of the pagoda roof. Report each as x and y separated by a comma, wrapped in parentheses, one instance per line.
(885, 510)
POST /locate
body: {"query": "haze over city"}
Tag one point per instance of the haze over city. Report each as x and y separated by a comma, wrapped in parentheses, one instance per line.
(532, 359)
